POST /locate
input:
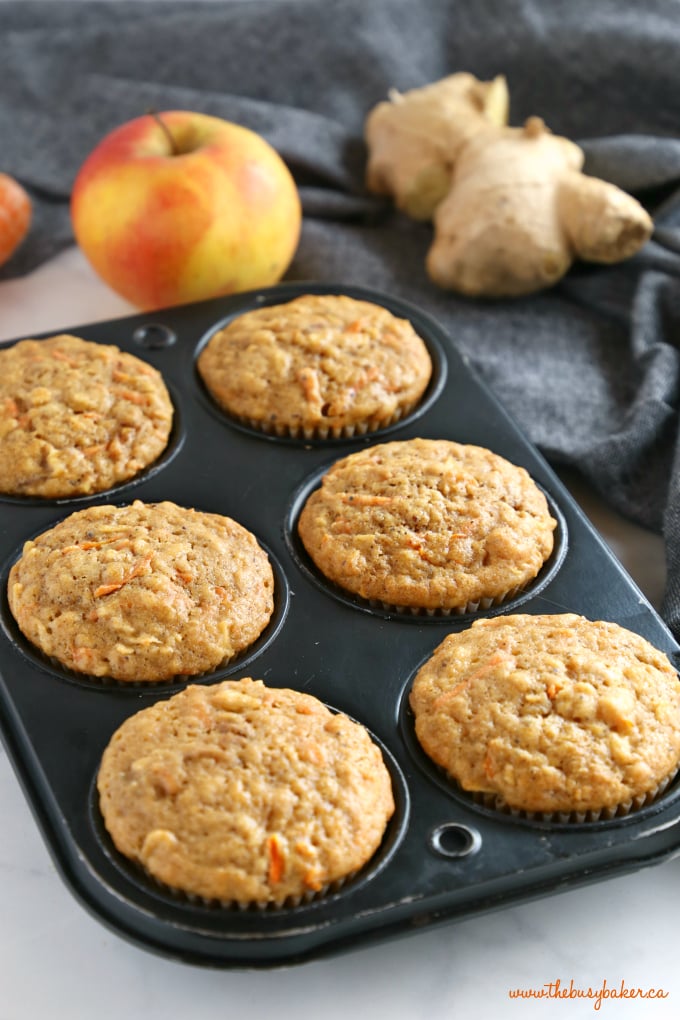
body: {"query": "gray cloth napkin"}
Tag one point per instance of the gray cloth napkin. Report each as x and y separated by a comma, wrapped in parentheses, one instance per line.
(591, 368)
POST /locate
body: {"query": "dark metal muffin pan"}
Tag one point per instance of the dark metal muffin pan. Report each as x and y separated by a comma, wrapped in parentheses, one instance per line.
(443, 856)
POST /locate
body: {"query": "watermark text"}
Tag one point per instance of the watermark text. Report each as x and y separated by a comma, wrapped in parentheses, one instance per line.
(557, 990)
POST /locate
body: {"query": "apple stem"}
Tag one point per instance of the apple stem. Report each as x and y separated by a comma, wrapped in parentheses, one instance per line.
(166, 130)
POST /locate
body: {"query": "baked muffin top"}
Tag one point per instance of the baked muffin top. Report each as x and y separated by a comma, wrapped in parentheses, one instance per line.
(77, 417)
(550, 713)
(240, 792)
(318, 365)
(142, 592)
(427, 523)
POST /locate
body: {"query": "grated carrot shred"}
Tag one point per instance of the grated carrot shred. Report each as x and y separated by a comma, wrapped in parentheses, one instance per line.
(477, 674)
(134, 398)
(313, 879)
(60, 356)
(358, 499)
(139, 568)
(275, 860)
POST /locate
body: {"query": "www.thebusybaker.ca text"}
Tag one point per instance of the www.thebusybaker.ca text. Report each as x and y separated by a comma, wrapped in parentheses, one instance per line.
(557, 990)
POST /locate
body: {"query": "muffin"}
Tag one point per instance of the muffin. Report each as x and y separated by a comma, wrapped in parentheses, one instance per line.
(77, 417)
(551, 714)
(142, 592)
(321, 365)
(428, 524)
(245, 794)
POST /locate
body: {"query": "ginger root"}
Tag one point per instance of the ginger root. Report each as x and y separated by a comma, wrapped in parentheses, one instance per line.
(511, 207)
(416, 137)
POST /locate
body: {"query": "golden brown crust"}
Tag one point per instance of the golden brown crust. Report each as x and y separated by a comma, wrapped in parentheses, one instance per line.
(551, 713)
(77, 417)
(239, 792)
(318, 365)
(427, 523)
(143, 592)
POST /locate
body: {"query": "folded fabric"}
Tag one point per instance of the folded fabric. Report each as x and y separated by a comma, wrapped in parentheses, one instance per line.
(590, 368)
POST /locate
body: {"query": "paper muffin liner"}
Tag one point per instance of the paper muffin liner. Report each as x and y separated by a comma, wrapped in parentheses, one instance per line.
(290, 902)
(495, 802)
(88, 679)
(136, 870)
(307, 897)
(320, 431)
(470, 608)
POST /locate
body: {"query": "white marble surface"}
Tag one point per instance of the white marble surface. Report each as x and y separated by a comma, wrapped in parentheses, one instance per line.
(56, 961)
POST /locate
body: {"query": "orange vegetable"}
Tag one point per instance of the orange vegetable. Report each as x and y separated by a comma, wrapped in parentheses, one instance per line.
(134, 398)
(275, 860)
(477, 674)
(140, 568)
(314, 879)
(60, 356)
(359, 499)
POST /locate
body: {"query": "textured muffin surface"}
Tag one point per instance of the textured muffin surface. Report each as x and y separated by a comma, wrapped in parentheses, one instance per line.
(320, 363)
(77, 417)
(427, 523)
(142, 592)
(551, 713)
(239, 792)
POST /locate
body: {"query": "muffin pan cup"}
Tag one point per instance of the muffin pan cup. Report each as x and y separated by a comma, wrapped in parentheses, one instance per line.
(443, 857)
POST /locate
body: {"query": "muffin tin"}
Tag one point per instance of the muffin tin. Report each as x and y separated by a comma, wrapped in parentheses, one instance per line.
(444, 855)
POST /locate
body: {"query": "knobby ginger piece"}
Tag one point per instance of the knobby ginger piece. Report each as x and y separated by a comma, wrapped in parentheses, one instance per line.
(511, 206)
(415, 137)
(519, 211)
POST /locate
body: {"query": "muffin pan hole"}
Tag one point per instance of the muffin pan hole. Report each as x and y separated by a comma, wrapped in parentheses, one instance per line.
(46, 663)
(426, 328)
(454, 840)
(165, 896)
(154, 336)
(410, 614)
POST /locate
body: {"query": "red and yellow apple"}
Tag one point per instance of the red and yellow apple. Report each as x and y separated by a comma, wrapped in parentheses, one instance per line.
(15, 216)
(176, 207)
